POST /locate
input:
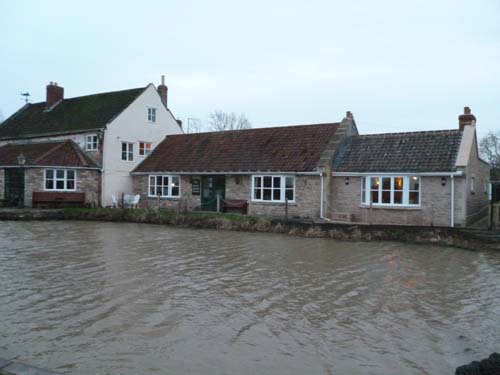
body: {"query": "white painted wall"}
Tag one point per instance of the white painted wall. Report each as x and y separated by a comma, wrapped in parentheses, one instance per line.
(132, 126)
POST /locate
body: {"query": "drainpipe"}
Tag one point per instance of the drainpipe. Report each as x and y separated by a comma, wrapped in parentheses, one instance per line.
(321, 216)
(452, 201)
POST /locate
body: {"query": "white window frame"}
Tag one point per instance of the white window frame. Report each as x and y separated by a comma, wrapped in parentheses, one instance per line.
(473, 184)
(55, 179)
(146, 151)
(91, 142)
(282, 188)
(152, 113)
(170, 177)
(366, 191)
(128, 152)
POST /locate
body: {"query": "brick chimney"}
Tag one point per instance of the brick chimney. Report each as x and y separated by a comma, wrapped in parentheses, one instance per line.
(466, 119)
(163, 91)
(54, 95)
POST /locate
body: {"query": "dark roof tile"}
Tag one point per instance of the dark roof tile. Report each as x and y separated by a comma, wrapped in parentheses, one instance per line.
(70, 115)
(427, 151)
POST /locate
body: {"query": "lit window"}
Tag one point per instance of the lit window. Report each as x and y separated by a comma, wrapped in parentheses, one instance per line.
(127, 151)
(273, 188)
(391, 190)
(151, 114)
(144, 148)
(60, 179)
(164, 186)
(91, 143)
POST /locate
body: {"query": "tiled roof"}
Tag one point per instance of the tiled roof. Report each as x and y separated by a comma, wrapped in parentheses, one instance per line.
(61, 154)
(70, 115)
(289, 148)
(428, 151)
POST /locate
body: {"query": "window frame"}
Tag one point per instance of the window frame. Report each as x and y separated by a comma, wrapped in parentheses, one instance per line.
(145, 149)
(282, 188)
(152, 114)
(366, 191)
(169, 185)
(129, 151)
(55, 179)
(94, 141)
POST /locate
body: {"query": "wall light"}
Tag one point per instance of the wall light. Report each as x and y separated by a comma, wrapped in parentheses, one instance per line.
(346, 180)
(443, 181)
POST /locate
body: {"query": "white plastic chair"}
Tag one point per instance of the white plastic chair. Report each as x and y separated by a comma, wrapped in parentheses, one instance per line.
(135, 200)
(115, 203)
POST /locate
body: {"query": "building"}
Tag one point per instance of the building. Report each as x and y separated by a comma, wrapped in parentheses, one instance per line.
(114, 131)
(275, 170)
(418, 178)
(325, 171)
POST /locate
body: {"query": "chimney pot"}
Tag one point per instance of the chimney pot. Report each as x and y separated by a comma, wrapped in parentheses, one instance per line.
(54, 94)
(349, 115)
(163, 91)
(466, 119)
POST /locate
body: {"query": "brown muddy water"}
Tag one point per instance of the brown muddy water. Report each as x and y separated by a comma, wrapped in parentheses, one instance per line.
(109, 298)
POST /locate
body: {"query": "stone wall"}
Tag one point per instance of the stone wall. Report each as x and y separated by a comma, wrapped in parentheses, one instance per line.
(87, 181)
(435, 208)
(477, 201)
(307, 196)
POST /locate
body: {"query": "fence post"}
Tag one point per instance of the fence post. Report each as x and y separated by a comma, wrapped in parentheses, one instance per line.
(158, 198)
(286, 209)
(218, 202)
(122, 201)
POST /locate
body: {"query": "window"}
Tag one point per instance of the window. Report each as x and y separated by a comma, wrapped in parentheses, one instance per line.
(391, 190)
(164, 186)
(144, 148)
(60, 179)
(91, 143)
(127, 151)
(273, 188)
(151, 114)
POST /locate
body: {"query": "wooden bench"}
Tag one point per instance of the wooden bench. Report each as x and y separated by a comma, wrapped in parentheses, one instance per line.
(50, 199)
(235, 205)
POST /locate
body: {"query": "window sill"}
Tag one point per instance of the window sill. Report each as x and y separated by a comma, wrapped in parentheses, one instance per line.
(164, 198)
(273, 203)
(389, 207)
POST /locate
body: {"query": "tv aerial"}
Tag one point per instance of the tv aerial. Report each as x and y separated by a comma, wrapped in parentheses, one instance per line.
(26, 96)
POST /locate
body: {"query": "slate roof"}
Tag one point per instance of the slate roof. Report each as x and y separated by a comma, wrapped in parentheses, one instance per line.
(427, 151)
(71, 115)
(287, 149)
(60, 154)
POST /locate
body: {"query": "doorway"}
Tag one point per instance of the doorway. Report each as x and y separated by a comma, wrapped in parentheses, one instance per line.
(14, 187)
(211, 186)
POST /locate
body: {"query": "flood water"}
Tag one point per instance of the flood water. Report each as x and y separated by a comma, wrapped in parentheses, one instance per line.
(114, 298)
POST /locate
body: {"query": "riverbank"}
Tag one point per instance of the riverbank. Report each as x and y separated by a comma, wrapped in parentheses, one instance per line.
(456, 237)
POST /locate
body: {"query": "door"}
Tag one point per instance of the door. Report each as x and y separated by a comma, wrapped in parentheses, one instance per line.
(14, 187)
(211, 186)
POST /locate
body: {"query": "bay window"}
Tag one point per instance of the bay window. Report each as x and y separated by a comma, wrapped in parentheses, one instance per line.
(166, 186)
(391, 190)
(273, 188)
(60, 179)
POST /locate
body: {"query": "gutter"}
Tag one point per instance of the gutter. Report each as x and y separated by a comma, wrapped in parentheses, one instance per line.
(27, 166)
(45, 135)
(430, 174)
(321, 215)
(226, 173)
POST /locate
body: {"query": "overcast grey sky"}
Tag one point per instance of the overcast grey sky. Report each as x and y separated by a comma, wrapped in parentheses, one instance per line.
(397, 65)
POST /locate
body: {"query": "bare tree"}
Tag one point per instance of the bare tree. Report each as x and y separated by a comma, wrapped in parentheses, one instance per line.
(489, 147)
(220, 121)
(1, 117)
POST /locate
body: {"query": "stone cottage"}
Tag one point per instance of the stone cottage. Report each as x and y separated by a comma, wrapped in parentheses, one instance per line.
(416, 178)
(30, 174)
(273, 170)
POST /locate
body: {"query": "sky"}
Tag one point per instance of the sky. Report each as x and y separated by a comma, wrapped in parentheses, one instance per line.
(397, 65)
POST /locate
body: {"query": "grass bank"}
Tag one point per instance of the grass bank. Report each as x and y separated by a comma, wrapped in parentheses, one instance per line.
(467, 239)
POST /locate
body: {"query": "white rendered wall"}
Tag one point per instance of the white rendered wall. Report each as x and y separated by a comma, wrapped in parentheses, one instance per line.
(132, 126)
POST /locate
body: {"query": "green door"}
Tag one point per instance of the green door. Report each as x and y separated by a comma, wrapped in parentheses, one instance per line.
(211, 186)
(14, 187)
